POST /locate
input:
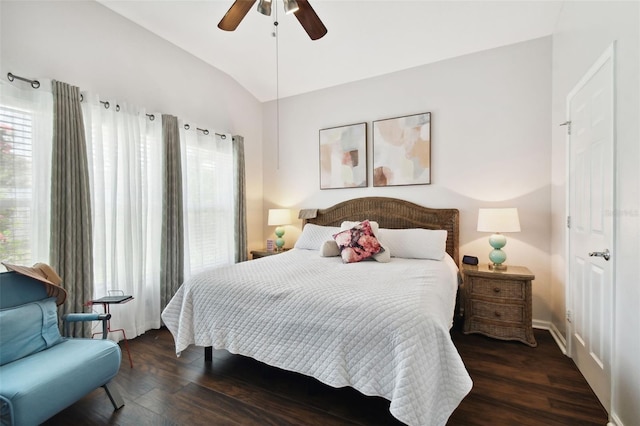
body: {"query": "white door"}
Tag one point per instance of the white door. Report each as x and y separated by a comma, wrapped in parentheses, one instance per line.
(591, 224)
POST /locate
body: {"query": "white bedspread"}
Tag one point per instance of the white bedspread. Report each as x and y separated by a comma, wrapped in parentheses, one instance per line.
(382, 328)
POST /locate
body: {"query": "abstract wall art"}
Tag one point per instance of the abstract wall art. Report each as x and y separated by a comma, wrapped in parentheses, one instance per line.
(402, 150)
(343, 157)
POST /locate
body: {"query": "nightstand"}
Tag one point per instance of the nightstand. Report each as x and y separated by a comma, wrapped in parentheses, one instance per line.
(257, 254)
(498, 303)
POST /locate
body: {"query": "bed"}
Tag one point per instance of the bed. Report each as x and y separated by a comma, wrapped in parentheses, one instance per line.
(381, 327)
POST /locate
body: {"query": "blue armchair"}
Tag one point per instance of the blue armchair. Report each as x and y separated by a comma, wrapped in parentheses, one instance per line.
(41, 372)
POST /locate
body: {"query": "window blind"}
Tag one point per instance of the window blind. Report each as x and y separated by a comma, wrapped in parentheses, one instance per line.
(15, 184)
(208, 197)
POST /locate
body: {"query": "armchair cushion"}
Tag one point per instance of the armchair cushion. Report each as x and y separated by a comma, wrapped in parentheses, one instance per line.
(28, 329)
(44, 383)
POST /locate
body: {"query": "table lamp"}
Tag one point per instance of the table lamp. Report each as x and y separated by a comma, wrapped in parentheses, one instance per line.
(497, 221)
(278, 217)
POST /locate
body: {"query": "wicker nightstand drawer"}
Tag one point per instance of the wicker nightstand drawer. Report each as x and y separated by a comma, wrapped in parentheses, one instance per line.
(503, 289)
(497, 311)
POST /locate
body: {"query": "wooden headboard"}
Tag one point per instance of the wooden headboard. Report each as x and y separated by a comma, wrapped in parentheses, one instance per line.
(392, 213)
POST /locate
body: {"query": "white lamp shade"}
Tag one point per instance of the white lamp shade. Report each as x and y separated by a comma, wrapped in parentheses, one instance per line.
(498, 220)
(279, 217)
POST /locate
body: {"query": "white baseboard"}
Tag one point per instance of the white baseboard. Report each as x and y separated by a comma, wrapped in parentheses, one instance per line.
(555, 333)
(542, 325)
(614, 421)
(561, 341)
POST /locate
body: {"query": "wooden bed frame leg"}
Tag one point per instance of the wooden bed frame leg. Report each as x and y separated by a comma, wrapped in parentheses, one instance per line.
(208, 354)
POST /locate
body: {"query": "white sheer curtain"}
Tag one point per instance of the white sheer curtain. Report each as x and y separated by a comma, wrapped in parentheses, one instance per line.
(125, 155)
(208, 187)
(26, 134)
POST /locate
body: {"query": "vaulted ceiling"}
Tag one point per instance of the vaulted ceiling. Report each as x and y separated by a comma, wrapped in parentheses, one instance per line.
(365, 38)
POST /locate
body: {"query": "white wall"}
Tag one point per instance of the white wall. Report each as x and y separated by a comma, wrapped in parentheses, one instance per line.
(584, 31)
(491, 146)
(87, 45)
(495, 140)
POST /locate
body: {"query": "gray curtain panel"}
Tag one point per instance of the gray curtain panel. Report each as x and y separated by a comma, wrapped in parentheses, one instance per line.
(240, 208)
(172, 249)
(71, 251)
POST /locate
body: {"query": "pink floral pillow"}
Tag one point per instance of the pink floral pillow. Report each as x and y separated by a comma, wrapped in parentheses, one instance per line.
(357, 243)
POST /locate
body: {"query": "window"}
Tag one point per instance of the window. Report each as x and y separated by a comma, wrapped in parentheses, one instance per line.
(124, 150)
(207, 170)
(15, 184)
(25, 155)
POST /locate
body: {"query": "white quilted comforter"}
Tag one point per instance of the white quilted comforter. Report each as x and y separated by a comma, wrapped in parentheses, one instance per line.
(381, 328)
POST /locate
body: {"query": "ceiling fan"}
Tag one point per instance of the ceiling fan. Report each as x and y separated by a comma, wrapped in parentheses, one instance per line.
(300, 8)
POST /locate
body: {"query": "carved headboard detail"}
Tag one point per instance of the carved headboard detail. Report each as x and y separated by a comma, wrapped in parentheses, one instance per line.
(392, 213)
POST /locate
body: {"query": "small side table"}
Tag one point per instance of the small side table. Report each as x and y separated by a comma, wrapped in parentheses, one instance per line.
(498, 304)
(257, 254)
(114, 300)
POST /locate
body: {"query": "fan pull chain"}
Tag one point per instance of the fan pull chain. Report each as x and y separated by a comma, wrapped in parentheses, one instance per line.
(275, 34)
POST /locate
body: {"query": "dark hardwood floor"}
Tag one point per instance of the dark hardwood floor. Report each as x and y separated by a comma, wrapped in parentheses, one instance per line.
(513, 385)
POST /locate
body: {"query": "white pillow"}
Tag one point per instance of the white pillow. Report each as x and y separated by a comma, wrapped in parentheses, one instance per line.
(313, 236)
(348, 224)
(330, 249)
(384, 256)
(415, 243)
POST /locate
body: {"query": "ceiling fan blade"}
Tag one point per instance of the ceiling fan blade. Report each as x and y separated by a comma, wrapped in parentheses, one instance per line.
(309, 20)
(235, 14)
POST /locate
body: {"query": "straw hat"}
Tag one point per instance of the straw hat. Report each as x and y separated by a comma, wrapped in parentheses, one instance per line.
(45, 274)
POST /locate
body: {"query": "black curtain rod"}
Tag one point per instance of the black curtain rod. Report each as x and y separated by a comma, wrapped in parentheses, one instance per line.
(107, 105)
(206, 131)
(34, 83)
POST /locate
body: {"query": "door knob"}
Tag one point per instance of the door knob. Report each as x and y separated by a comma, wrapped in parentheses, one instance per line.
(606, 254)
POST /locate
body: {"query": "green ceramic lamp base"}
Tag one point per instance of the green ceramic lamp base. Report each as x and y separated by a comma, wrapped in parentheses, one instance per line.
(497, 256)
(279, 241)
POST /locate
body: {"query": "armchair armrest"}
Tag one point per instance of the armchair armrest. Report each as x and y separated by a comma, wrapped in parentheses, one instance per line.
(69, 318)
(6, 410)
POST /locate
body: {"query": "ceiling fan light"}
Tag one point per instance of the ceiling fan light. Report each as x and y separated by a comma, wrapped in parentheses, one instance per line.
(290, 6)
(264, 7)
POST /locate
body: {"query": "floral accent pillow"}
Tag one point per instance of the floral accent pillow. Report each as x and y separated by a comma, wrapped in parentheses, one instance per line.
(357, 243)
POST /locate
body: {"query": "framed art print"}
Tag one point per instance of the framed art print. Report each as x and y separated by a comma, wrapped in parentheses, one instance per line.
(402, 150)
(343, 157)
